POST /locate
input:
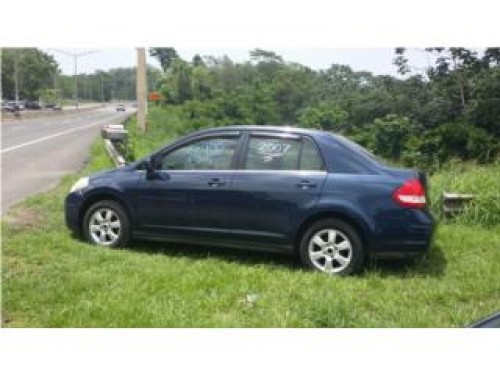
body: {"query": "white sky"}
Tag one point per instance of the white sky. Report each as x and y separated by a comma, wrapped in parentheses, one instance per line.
(376, 60)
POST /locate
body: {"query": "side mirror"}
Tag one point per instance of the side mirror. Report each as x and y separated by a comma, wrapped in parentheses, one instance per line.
(149, 166)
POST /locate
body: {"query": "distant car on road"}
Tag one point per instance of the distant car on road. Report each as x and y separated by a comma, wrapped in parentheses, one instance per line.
(297, 191)
(11, 106)
(31, 104)
(120, 107)
(53, 106)
(5, 106)
(21, 104)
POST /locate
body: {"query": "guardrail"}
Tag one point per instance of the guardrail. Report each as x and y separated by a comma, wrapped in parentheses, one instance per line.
(115, 139)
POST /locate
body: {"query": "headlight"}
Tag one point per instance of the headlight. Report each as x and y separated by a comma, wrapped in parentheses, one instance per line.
(82, 183)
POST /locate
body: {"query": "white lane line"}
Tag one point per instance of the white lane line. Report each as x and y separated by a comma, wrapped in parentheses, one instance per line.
(46, 138)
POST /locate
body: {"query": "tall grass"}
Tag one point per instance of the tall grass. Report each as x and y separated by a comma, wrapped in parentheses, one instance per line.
(483, 181)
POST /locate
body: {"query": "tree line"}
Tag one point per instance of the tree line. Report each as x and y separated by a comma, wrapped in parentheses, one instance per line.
(39, 78)
(452, 110)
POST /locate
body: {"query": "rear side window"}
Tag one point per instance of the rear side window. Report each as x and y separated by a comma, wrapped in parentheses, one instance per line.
(275, 153)
(310, 160)
(268, 153)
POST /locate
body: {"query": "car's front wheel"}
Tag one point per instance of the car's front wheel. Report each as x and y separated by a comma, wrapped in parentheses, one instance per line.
(106, 224)
(332, 246)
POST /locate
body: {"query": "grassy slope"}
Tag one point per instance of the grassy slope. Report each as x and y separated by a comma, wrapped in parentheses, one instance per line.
(51, 279)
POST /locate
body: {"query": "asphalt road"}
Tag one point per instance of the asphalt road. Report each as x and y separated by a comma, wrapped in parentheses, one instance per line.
(37, 153)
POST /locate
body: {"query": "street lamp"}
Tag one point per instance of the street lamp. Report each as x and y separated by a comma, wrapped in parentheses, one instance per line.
(75, 57)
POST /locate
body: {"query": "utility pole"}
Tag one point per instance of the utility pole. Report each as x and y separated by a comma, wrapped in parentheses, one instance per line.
(102, 89)
(75, 57)
(16, 74)
(142, 104)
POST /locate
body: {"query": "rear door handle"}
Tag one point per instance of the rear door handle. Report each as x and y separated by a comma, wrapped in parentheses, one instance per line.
(216, 182)
(305, 184)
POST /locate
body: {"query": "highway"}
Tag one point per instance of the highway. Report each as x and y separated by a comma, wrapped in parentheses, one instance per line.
(37, 153)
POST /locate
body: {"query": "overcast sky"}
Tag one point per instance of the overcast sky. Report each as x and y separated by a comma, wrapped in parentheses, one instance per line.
(376, 60)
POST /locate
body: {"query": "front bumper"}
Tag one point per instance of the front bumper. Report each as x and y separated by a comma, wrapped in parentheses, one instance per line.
(72, 206)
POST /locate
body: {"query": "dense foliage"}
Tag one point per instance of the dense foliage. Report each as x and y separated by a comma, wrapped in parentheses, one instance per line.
(453, 111)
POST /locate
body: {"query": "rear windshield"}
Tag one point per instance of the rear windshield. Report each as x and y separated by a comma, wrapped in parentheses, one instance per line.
(359, 149)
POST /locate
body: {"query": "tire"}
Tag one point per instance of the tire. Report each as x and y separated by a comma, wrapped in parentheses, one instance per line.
(332, 246)
(107, 224)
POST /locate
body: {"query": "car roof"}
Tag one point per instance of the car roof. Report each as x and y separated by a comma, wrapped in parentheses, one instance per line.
(262, 128)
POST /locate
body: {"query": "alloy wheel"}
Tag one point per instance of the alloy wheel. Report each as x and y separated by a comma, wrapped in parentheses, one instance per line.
(330, 250)
(105, 226)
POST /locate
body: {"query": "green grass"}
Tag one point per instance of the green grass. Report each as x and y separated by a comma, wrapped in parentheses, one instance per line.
(51, 279)
(470, 178)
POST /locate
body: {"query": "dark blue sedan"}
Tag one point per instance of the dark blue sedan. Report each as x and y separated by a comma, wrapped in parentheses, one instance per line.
(281, 189)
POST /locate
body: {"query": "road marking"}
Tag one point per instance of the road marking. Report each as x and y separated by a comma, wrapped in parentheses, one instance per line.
(46, 138)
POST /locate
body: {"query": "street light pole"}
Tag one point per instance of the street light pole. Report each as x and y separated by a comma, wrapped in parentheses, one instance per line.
(16, 74)
(75, 57)
(142, 104)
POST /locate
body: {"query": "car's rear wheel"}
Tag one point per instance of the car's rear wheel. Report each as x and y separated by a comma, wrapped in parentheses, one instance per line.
(106, 224)
(332, 246)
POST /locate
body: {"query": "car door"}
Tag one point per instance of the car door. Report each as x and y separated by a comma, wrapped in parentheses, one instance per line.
(188, 195)
(281, 176)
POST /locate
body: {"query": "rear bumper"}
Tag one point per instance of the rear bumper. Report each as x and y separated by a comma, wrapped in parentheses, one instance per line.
(407, 238)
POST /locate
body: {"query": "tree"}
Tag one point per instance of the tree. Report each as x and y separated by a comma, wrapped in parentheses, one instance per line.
(268, 62)
(36, 70)
(401, 61)
(390, 135)
(165, 56)
(326, 116)
(198, 61)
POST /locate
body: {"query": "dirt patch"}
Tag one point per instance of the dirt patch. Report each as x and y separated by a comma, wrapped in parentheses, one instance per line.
(23, 218)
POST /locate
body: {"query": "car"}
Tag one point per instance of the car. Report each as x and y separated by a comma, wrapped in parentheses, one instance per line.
(30, 104)
(492, 321)
(20, 105)
(6, 106)
(302, 192)
(120, 107)
(12, 106)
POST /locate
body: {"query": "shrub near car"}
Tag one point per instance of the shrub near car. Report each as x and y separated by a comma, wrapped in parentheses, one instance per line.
(281, 189)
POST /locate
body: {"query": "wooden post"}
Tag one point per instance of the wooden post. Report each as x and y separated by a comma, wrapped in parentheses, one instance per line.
(142, 104)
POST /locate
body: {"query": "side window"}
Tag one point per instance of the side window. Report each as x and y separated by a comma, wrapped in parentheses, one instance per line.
(206, 154)
(310, 159)
(273, 153)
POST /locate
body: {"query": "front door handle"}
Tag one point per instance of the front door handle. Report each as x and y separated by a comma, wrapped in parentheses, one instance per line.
(305, 184)
(216, 182)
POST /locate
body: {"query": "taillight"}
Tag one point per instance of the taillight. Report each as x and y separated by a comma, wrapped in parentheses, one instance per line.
(411, 194)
